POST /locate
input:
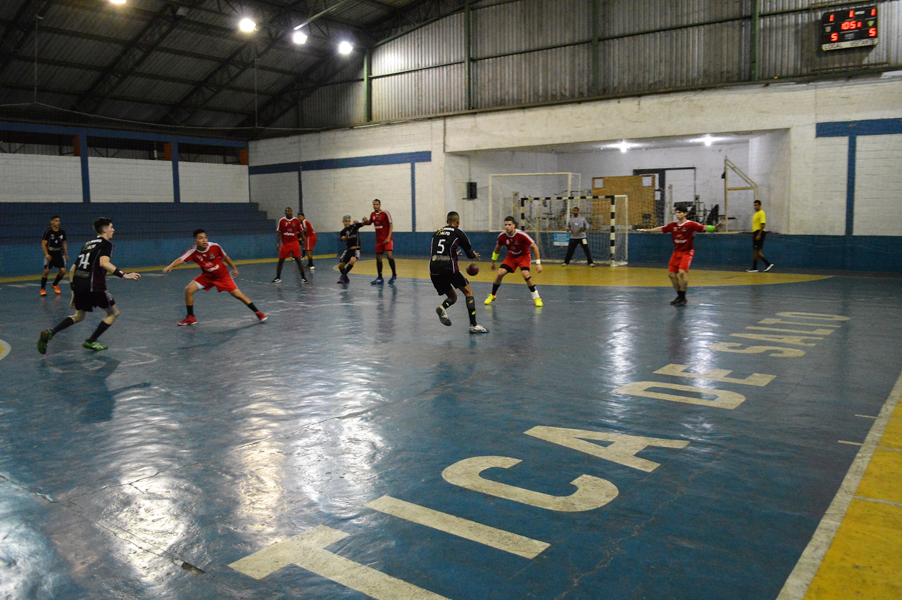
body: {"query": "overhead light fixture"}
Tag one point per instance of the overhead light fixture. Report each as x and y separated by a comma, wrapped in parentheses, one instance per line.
(117, 1)
(247, 25)
(623, 145)
(708, 139)
(299, 37)
(345, 47)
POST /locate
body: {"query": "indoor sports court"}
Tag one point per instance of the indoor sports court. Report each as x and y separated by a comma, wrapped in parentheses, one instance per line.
(342, 440)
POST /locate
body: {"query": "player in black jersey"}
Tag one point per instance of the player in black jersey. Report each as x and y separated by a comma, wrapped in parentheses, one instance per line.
(350, 235)
(445, 272)
(88, 278)
(56, 253)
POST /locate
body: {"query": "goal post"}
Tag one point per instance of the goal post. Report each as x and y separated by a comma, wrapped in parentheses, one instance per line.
(545, 219)
(506, 189)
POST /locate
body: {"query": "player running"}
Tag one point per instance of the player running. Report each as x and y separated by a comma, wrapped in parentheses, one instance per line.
(89, 289)
(350, 235)
(56, 253)
(381, 220)
(309, 240)
(288, 233)
(683, 232)
(519, 245)
(445, 272)
(210, 257)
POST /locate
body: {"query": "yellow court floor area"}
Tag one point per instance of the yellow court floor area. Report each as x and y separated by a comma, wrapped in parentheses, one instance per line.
(555, 274)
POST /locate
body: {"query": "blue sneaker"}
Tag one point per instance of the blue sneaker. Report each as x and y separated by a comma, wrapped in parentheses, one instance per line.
(377, 281)
(392, 280)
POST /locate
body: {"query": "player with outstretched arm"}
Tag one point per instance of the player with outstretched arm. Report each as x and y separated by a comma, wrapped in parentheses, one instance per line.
(519, 245)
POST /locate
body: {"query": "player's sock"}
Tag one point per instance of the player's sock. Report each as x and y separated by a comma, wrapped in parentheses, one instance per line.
(190, 310)
(56, 281)
(253, 308)
(766, 263)
(533, 291)
(379, 271)
(348, 269)
(447, 304)
(43, 282)
(754, 264)
(101, 327)
(67, 322)
(495, 287)
(681, 295)
(391, 263)
(471, 309)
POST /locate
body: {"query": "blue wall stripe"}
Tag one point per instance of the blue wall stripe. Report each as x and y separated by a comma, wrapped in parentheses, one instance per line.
(85, 171)
(850, 187)
(112, 133)
(342, 163)
(849, 128)
(176, 185)
(413, 196)
(294, 167)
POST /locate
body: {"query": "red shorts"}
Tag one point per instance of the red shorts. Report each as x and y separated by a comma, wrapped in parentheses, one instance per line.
(512, 262)
(222, 283)
(290, 249)
(385, 247)
(680, 260)
(309, 242)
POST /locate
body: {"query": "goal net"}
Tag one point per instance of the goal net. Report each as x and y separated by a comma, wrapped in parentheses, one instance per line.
(545, 219)
(506, 189)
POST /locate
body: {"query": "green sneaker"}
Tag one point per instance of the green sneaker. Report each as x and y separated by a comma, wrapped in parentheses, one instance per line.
(95, 346)
(46, 336)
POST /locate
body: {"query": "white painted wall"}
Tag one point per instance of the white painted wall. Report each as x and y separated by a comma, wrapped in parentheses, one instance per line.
(824, 212)
(878, 185)
(769, 167)
(36, 178)
(274, 192)
(126, 180)
(206, 182)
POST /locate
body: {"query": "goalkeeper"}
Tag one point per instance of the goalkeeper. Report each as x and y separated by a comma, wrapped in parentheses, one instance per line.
(683, 232)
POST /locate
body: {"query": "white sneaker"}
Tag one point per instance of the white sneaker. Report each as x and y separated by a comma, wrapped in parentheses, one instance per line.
(478, 329)
(443, 316)
(591, 264)
(769, 267)
(751, 270)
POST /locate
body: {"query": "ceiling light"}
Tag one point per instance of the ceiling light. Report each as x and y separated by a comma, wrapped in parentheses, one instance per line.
(299, 37)
(247, 25)
(345, 47)
(708, 139)
(117, 1)
(623, 145)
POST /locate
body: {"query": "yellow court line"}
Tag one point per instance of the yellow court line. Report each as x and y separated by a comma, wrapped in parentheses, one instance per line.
(856, 551)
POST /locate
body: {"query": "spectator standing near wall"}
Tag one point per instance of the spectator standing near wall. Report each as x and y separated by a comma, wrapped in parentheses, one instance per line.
(578, 226)
(56, 253)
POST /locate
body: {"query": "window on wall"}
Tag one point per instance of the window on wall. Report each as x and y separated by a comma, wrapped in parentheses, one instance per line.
(16, 142)
(126, 148)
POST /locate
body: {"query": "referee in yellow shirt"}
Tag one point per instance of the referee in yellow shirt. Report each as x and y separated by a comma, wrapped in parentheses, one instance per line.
(759, 220)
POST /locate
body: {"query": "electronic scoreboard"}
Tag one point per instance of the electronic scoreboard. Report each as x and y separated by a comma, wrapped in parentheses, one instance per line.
(849, 28)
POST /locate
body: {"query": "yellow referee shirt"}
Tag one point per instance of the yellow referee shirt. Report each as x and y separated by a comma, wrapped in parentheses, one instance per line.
(759, 220)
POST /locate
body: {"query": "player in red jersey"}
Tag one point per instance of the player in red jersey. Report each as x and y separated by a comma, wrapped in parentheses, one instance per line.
(519, 245)
(210, 257)
(683, 233)
(381, 220)
(289, 232)
(309, 240)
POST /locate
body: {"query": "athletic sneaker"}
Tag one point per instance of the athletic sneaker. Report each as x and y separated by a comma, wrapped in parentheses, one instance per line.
(769, 267)
(393, 279)
(261, 316)
(591, 264)
(674, 301)
(565, 265)
(277, 280)
(189, 320)
(680, 302)
(490, 299)
(46, 336)
(751, 270)
(311, 267)
(305, 280)
(539, 302)
(43, 292)
(56, 288)
(443, 316)
(95, 346)
(377, 281)
(343, 279)
(478, 329)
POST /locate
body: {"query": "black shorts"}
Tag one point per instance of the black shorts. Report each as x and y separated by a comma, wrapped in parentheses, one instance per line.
(758, 244)
(444, 280)
(56, 261)
(347, 255)
(86, 301)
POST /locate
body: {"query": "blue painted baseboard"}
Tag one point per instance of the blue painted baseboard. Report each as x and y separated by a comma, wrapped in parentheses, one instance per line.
(881, 254)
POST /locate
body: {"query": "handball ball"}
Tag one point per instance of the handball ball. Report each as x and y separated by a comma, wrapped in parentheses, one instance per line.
(472, 269)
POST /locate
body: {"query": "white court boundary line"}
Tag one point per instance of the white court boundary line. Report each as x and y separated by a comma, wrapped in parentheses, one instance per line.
(797, 583)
